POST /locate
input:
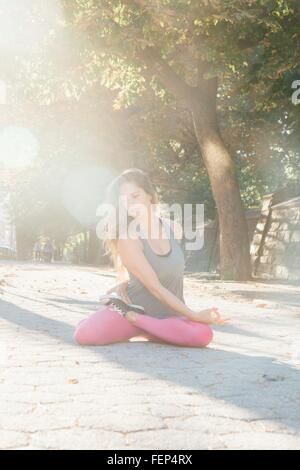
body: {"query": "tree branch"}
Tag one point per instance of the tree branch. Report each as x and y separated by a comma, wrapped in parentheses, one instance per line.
(166, 74)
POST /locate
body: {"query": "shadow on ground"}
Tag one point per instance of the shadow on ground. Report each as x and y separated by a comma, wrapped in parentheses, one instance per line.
(256, 383)
(287, 298)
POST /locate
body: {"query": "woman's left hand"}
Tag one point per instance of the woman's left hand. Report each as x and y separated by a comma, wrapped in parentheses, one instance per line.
(210, 315)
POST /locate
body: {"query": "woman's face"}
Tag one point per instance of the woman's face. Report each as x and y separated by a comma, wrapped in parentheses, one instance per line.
(137, 200)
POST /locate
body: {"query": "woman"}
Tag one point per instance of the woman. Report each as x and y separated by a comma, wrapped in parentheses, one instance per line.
(155, 271)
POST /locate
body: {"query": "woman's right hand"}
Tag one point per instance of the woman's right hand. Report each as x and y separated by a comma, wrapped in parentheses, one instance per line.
(210, 315)
(121, 290)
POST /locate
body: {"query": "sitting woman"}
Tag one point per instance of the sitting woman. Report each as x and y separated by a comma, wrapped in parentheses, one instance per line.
(155, 266)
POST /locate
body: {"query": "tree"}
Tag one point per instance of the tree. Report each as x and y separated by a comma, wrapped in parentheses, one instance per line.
(225, 67)
(162, 40)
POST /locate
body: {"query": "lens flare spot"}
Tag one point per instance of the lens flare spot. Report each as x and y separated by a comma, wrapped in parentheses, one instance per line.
(83, 190)
(18, 147)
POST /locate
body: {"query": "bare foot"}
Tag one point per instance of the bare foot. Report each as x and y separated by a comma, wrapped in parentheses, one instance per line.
(131, 316)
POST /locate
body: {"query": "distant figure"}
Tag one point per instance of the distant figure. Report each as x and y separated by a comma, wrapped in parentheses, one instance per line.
(57, 254)
(81, 250)
(37, 251)
(73, 254)
(67, 255)
(48, 252)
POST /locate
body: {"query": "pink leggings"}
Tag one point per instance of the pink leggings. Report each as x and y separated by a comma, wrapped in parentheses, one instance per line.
(107, 326)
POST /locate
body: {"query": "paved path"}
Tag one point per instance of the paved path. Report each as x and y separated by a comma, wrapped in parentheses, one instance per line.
(241, 392)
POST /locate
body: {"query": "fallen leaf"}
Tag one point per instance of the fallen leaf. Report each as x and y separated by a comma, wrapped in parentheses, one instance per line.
(73, 381)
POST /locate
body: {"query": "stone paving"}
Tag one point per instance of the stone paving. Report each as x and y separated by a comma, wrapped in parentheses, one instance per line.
(242, 392)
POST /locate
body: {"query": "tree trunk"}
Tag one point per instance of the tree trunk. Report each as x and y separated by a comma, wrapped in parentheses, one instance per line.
(234, 240)
(201, 101)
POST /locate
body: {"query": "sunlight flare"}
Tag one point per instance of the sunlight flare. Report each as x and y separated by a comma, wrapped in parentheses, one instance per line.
(18, 147)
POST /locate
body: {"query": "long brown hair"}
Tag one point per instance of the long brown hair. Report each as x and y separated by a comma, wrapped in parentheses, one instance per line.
(111, 231)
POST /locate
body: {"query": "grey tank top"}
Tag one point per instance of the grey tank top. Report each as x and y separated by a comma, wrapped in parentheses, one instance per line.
(169, 268)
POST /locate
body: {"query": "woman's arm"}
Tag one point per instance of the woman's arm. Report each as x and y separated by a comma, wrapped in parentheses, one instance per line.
(132, 255)
(121, 288)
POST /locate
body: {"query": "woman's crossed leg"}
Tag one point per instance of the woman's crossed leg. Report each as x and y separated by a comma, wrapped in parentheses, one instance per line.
(106, 326)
